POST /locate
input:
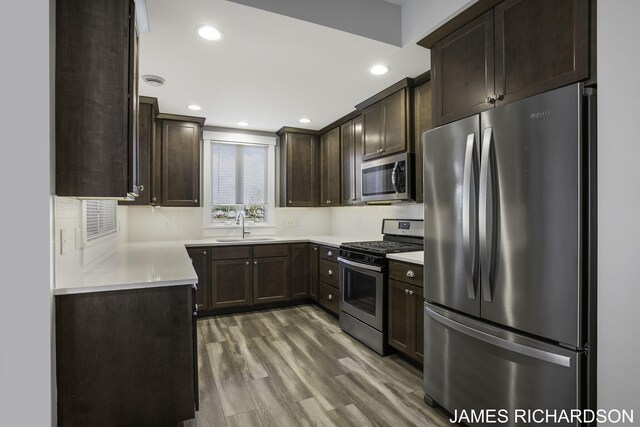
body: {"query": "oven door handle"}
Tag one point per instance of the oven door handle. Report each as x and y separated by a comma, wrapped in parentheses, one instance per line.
(359, 265)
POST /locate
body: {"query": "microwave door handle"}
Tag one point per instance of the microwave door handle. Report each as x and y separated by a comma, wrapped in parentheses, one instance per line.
(394, 180)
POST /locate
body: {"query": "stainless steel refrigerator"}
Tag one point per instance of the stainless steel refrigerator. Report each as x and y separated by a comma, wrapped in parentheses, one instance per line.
(508, 266)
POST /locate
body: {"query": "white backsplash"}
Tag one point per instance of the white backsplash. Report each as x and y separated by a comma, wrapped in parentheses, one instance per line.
(362, 222)
(70, 252)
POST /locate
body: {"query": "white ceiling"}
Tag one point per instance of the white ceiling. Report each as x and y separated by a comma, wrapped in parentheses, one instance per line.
(268, 70)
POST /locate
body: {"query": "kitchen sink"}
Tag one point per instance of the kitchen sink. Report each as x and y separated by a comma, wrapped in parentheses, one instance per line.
(250, 239)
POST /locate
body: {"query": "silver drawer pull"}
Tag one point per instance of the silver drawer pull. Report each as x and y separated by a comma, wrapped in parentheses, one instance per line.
(406, 291)
(410, 293)
(247, 263)
(330, 297)
(329, 253)
(411, 274)
(330, 272)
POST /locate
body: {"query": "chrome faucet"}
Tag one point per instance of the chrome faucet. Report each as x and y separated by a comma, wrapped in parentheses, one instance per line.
(239, 215)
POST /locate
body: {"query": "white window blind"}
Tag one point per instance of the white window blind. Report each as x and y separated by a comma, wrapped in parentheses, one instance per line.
(100, 218)
(239, 174)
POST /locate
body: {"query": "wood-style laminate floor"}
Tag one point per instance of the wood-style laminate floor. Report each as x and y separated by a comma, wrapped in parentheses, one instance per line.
(295, 367)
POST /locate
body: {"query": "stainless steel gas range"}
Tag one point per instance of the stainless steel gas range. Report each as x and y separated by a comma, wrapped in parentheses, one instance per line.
(363, 280)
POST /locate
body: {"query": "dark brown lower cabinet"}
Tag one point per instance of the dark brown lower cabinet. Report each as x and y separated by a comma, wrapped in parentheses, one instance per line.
(271, 273)
(329, 297)
(200, 260)
(126, 357)
(231, 277)
(313, 270)
(406, 319)
(299, 271)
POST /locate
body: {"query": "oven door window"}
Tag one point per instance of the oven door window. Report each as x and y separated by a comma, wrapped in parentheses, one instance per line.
(360, 291)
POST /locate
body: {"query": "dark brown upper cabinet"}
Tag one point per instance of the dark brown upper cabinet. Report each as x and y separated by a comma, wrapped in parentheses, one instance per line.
(299, 152)
(508, 52)
(180, 173)
(352, 148)
(147, 111)
(386, 126)
(96, 99)
(330, 168)
(422, 122)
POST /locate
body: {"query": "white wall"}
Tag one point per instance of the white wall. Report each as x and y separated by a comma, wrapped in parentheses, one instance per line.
(420, 17)
(25, 215)
(618, 204)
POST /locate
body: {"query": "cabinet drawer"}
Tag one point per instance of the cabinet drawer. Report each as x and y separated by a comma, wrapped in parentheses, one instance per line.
(407, 273)
(329, 272)
(329, 253)
(329, 297)
(263, 251)
(230, 252)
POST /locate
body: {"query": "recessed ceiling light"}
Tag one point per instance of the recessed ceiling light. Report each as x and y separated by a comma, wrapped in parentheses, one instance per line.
(243, 124)
(209, 33)
(378, 70)
(194, 107)
(305, 120)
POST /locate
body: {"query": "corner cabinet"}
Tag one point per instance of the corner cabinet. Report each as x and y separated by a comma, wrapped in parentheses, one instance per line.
(352, 151)
(515, 50)
(299, 152)
(96, 85)
(330, 168)
(300, 272)
(386, 126)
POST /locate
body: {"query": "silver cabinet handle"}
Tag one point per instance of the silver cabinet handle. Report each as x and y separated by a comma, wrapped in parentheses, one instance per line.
(290, 202)
(411, 274)
(204, 253)
(140, 187)
(330, 297)
(153, 199)
(330, 272)
(410, 293)
(195, 201)
(406, 291)
(491, 99)
(329, 253)
(315, 248)
(247, 263)
(255, 262)
(328, 202)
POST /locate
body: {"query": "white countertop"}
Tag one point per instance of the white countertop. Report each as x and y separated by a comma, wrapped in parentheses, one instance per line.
(410, 257)
(155, 264)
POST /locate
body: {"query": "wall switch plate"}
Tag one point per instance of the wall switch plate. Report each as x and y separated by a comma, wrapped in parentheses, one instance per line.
(65, 241)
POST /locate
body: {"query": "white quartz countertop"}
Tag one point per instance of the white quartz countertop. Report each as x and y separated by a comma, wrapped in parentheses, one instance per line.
(155, 264)
(411, 257)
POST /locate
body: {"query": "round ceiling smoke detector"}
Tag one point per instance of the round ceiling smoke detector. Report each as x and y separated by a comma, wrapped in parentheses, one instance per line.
(152, 80)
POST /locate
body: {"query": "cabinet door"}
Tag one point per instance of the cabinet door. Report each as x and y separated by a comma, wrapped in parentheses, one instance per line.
(301, 169)
(463, 71)
(200, 260)
(330, 168)
(417, 323)
(352, 148)
(373, 121)
(231, 283)
(422, 121)
(400, 334)
(134, 143)
(540, 45)
(314, 270)
(146, 132)
(271, 279)
(180, 163)
(156, 164)
(299, 271)
(394, 128)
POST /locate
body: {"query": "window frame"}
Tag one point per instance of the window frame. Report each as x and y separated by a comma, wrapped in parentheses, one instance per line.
(246, 139)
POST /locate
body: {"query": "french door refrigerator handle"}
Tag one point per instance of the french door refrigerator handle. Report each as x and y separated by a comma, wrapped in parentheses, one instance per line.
(515, 347)
(468, 187)
(483, 214)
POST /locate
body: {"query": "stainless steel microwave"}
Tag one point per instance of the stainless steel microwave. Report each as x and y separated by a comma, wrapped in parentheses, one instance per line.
(387, 179)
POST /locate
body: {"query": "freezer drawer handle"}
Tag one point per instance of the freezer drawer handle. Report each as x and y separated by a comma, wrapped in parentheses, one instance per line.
(499, 342)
